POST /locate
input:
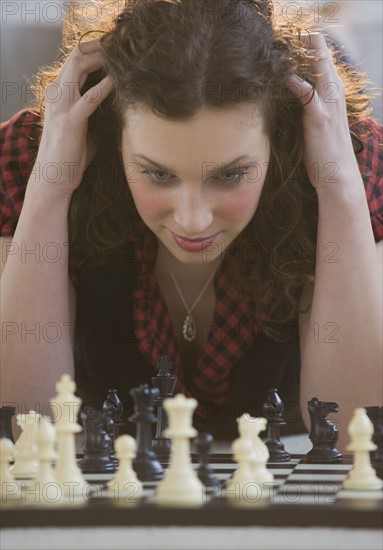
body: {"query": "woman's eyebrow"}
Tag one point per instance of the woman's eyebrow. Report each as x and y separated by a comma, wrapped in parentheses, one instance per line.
(169, 170)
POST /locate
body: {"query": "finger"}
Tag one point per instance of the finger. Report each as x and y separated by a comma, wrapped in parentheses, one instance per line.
(76, 73)
(89, 46)
(89, 102)
(303, 91)
(322, 63)
(82, 49)
(80, 67)
(77, 63)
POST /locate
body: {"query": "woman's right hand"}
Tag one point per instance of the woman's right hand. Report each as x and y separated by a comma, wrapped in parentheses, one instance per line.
(66, 148)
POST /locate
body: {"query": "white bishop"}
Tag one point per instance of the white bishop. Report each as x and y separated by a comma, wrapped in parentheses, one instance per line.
(362, 475)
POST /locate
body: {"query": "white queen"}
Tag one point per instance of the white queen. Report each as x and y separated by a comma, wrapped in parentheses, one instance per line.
(180, 485)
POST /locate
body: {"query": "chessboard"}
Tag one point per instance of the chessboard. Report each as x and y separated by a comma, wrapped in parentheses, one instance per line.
(304, 494)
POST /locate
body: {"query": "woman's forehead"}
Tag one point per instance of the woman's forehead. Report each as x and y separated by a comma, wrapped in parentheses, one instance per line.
(227, 124)
(181, 147)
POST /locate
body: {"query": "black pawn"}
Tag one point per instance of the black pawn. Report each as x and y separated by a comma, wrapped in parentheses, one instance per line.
(273, 411)
(145, 464)
(203, 443)
(165, 383)
(114, 409)
(98, 442)
(6, 422)
(323, 433)
(375, 414)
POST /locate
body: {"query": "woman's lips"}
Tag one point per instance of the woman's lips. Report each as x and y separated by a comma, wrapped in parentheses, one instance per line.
(194, 245)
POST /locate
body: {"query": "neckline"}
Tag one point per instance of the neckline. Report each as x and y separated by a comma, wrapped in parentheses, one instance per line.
(233, 331)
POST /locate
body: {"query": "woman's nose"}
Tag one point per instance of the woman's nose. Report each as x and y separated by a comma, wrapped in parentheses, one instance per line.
(193, 214)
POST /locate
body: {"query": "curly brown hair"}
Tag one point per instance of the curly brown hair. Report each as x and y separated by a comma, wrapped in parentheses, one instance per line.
(175, 56)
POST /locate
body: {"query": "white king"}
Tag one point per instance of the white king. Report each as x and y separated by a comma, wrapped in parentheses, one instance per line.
(65, 407)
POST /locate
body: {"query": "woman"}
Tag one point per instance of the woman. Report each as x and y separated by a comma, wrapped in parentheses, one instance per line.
(216, 170)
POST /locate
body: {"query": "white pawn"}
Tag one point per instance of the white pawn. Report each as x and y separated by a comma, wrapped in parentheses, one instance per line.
(65, 406)
(125, 485)
(242, 489)
(9, 488)
(44, 485)
(362, 476)
(25, 450)
(180, 485)
(251, 427)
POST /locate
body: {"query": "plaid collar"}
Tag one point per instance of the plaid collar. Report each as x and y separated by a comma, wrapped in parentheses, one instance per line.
(232, 333)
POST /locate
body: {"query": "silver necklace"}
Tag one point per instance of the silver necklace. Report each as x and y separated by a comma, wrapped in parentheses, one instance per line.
(189, 329)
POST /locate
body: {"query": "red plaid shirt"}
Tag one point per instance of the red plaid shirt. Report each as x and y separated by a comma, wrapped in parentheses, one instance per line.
(227, 342)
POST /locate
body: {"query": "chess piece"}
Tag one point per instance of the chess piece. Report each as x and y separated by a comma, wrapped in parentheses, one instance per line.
(165, 383)
(6, 414)
(25, 451)
(9, 488)
(323, 433)
(65, 406)
(375, 414)
(203, 443)
(362, 476)
(125, 485)
(98, 443)
(180, 485)
(273, 411)
(146, 463)
(114, 408)
(43, 489)
(250, 427)
(242, 489)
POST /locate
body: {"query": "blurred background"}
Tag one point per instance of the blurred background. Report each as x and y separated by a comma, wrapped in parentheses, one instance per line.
(31, 36)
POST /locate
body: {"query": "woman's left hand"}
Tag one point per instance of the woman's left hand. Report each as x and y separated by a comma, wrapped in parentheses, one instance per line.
(328, 152)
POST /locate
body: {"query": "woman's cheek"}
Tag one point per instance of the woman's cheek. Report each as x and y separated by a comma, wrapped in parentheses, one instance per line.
(241, 206)
(151, 205)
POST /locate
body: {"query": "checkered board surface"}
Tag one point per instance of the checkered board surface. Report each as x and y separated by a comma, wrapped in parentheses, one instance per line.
(304, 495)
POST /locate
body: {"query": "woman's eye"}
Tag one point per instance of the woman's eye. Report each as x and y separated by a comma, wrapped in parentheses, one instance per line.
(234, 177)
(159, 176)
(152, 173)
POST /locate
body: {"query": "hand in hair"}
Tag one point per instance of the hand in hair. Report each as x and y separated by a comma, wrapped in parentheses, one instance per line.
(65, 141)
(328, 151)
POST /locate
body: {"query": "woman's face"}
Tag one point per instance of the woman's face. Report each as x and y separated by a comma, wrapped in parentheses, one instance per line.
(187, 187)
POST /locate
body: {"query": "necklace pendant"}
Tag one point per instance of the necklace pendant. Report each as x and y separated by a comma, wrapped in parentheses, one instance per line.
(189, 329)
